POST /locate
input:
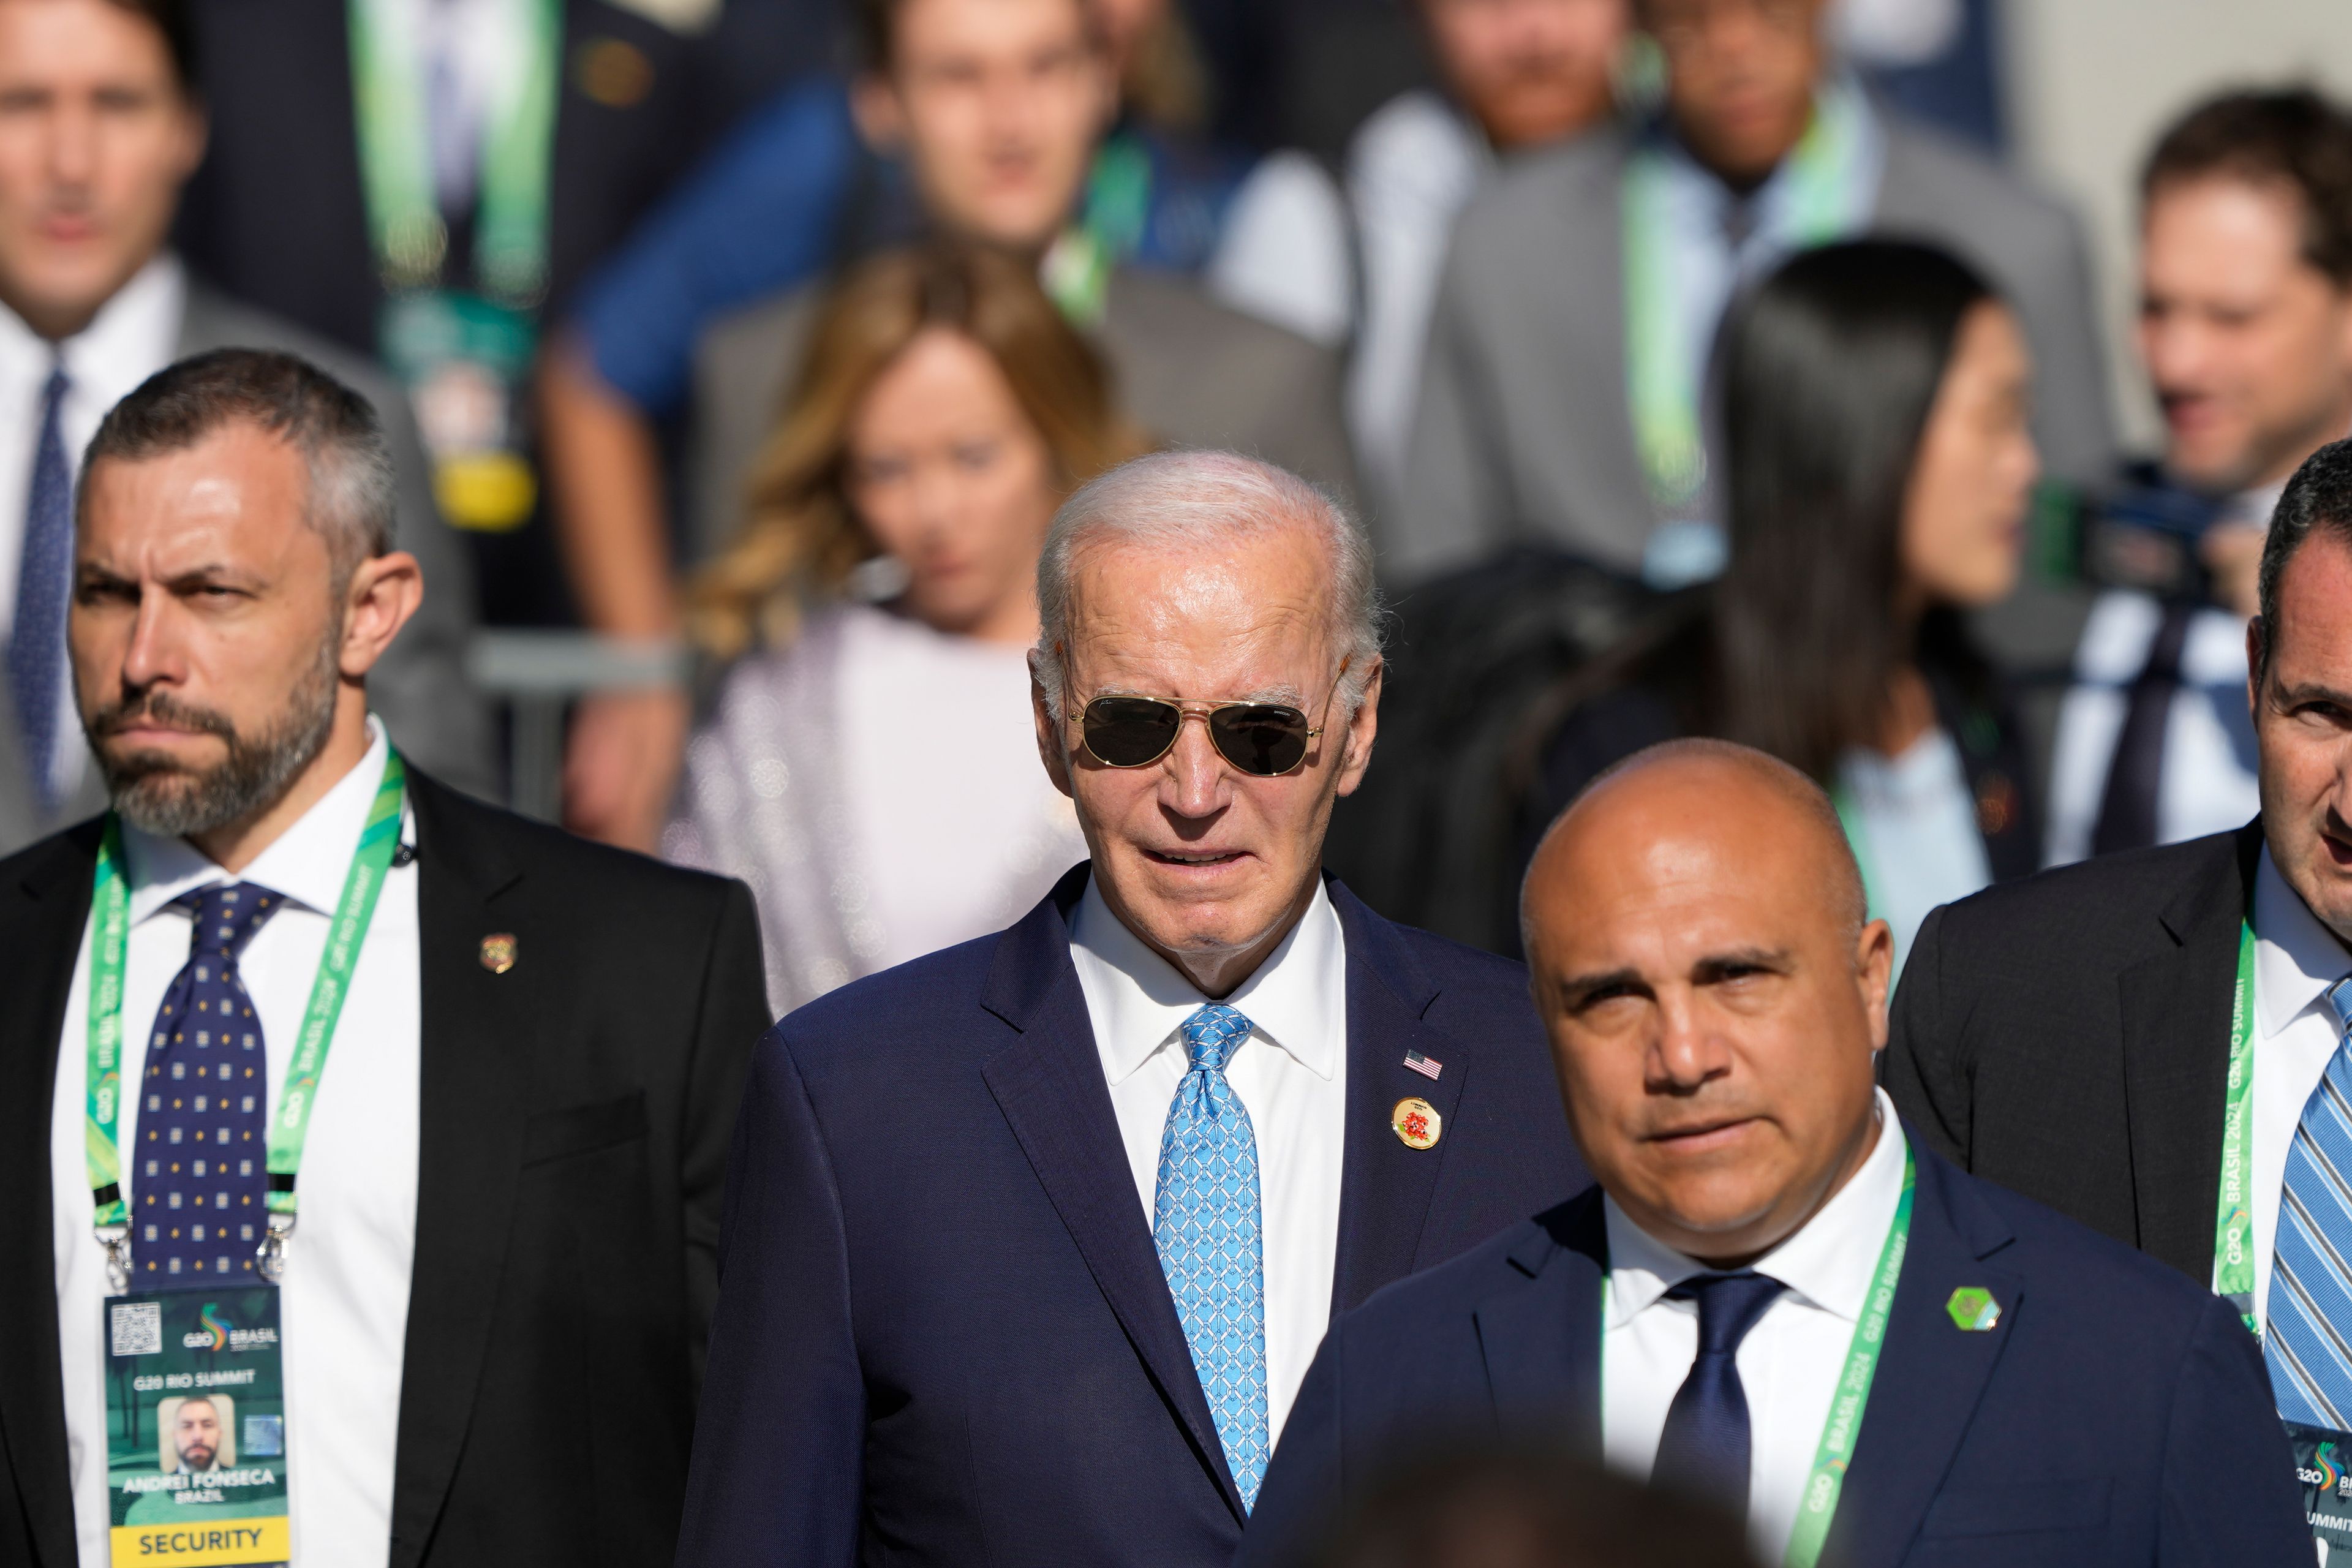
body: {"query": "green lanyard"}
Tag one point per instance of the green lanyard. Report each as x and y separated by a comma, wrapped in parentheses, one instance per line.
(1857, 837)
(1662, 362)
(1078, 266)
(290, 1125)
(2233, 1220)
(395, 165)
(1842, 1428)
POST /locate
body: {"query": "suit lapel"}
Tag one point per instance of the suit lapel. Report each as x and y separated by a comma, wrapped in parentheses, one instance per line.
(2176, 1028)
(1386, 1186)
(477, 1044)
(1049, 1084)
(1541, 1339)
(1931, 1373)
(42, 913)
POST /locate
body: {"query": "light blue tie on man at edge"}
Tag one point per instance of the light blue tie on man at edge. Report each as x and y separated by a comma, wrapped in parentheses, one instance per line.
(1210, 1231)
(2309, 1342)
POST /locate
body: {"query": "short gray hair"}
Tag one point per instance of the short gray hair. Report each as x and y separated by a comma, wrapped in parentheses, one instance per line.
(355, 495)
(1180, 498)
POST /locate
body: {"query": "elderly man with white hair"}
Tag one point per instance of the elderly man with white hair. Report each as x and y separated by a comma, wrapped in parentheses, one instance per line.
(1029, 1243)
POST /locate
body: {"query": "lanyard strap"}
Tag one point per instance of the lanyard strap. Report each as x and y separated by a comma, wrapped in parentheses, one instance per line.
(1077, 267)
(405, 223)
(2233, 1220)
(290, 1124)
(1842, 1429)
(1824, 177)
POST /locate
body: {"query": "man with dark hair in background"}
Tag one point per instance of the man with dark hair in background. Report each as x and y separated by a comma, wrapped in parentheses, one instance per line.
(100, 125)
(2245, 329)
(983, 118)
(514, 1105)
(1563, 399)
(2154, 1042)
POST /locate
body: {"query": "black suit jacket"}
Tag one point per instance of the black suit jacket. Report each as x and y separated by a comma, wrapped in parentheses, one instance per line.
(575, 1114)
(2068, 1036)
(275, 215)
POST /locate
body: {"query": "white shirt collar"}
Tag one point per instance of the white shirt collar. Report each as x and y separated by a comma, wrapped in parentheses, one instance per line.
(1143, 999)
(1830, 1262)
(2297, 958)
(307, 863)
(133, 335)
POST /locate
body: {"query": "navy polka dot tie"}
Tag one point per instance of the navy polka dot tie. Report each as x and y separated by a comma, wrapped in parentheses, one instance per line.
(201, 1184)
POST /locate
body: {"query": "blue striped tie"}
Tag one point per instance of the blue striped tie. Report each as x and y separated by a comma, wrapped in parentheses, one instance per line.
(2308, 1346)
(1210, 1234)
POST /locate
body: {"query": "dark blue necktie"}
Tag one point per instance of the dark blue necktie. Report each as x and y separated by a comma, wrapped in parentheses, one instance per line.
(36, 639)
(201, 1182)
(1706, 1445)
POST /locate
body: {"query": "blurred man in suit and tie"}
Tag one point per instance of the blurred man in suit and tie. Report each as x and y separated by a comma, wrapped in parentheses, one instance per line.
(1030, 1242)
(1775, 1298)
(510, 1076)
(1564, 386)
(100, 124)
(2245, 328)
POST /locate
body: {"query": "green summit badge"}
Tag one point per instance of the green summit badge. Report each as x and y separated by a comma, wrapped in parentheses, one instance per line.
(1973, 1310)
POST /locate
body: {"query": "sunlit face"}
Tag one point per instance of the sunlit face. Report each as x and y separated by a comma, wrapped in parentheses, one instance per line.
(96, 139)
(998, 104)
(1964, 516)
(205, 626)
(196, 1434)
(2248, 345)
(1531, 71)
(948, 476)
(1712, 1016)
(1206, 863)
(2303, 729)
(1740, 76)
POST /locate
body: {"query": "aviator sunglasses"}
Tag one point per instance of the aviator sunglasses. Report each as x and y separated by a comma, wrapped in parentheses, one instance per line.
(1262, 739)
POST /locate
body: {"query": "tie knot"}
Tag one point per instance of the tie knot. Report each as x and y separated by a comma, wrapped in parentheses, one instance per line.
(1728, 1306)
(226, 916)
(1212, 1034)
(2339, 1001)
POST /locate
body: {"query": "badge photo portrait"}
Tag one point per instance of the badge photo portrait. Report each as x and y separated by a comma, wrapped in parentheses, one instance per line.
(167, 1432)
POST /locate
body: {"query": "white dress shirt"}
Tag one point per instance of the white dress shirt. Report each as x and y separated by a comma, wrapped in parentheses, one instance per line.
(344, 1308)
(133, 335)
(2205, 781)
(2297, 958)
(1789, 1363)
(1291, 1075)
(470, 57)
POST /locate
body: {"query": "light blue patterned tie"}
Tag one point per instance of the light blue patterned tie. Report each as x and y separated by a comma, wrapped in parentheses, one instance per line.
(2308, 1346)
(37, 641)
(1210, 1235)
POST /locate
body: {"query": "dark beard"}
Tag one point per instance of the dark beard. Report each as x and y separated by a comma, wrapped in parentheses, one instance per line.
(198, 1458)
(157, 794)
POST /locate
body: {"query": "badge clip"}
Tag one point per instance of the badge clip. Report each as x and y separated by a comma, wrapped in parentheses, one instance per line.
(272, 1250)
(116, 1239)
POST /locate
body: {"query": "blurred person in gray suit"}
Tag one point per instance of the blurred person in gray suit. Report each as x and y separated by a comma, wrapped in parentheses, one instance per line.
(1564, 384)
(992, 110)
(100, 125)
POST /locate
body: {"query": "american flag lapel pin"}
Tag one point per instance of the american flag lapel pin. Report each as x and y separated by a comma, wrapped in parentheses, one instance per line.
(1427, 1068)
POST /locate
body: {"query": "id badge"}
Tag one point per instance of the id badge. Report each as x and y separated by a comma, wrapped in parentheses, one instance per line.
(2323, 1463)
(195, 1428)
(463, 359)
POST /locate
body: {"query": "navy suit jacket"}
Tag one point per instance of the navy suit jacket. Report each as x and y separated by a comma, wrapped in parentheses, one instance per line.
(943, 1336)
(2116, 1414)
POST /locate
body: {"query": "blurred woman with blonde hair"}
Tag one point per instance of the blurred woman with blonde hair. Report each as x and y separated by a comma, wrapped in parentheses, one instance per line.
(869, 766)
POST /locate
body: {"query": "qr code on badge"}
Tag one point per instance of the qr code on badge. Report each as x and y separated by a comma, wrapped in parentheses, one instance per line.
(138, 1327)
